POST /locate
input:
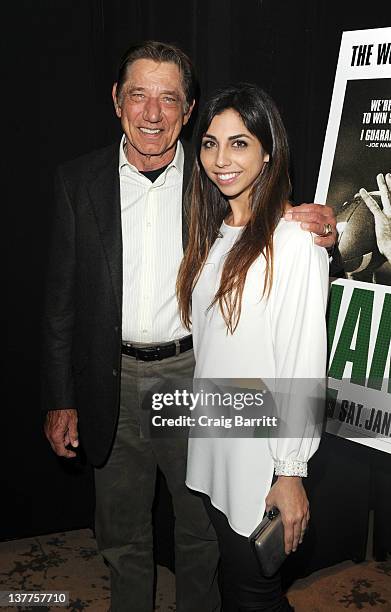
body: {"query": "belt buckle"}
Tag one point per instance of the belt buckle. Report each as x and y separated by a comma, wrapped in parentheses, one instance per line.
(147, 354)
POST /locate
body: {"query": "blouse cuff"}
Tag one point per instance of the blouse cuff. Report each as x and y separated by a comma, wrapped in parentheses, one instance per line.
(290, 468)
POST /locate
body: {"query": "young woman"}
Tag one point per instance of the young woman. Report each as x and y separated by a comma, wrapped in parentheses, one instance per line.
(254, 288)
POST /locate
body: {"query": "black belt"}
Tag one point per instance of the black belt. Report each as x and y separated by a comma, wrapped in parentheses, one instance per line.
(158, 351)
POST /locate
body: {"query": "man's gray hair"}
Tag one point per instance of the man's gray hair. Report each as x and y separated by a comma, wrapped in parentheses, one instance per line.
(160, 52)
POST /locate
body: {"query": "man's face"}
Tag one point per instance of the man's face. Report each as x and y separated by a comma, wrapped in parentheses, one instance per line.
(151, 106)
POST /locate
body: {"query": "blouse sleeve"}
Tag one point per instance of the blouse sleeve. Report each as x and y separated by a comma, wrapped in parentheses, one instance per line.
(298, 320)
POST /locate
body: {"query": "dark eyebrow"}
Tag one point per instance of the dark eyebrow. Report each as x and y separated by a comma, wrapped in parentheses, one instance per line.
(134, 87)
(171, 92)
(229, 138)
(238, 136)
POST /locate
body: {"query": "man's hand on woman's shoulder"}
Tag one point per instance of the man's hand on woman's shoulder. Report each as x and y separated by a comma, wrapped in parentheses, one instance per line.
(316, 218)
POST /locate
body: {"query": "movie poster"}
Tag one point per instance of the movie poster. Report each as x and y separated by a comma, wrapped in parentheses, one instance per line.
(355, 179)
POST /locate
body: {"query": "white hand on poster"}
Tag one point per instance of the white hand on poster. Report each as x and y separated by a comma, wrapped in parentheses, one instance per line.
(382, 217)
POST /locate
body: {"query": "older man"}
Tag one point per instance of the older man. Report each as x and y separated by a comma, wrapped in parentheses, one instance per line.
(112, 326)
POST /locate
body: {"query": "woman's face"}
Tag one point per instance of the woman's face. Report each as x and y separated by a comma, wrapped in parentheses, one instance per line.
(232, 157)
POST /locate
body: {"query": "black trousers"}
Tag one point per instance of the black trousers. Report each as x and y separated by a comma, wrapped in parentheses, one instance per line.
(243, 586)
(125, 488)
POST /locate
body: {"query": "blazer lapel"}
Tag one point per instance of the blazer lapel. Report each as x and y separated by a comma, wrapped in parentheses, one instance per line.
(104, 192)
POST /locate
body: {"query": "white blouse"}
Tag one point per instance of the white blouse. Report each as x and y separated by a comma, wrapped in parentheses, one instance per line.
(279, 337)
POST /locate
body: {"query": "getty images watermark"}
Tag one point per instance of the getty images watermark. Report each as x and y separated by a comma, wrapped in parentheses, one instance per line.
(213, 401)
(245, 408)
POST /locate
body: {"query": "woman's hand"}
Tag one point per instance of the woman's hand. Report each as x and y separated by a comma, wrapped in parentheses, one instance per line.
(289, 496)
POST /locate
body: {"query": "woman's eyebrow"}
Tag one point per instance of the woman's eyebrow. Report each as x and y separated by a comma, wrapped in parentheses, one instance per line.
(238, 136)
(229, 137)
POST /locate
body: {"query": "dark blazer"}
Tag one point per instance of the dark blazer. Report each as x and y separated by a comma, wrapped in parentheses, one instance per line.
(83, 309)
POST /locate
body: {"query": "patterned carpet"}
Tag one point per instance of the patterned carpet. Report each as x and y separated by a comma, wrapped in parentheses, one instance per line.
(69, 562)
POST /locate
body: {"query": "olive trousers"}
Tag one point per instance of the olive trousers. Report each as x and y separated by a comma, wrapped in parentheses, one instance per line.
(125, 488)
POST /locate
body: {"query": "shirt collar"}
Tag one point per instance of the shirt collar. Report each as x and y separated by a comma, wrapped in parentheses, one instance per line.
(176, 163)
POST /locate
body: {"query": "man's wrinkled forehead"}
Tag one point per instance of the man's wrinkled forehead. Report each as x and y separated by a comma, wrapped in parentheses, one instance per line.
(148, 75)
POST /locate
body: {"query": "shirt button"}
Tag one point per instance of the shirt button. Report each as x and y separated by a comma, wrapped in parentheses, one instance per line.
(145, 331)
(115, 372)
(116, 328)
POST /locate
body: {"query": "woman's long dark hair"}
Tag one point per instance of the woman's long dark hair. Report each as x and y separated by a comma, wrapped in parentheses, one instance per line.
(208, 207)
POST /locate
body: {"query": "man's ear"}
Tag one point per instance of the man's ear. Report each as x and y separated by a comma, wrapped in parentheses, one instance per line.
(115, 101)
(186, 116)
